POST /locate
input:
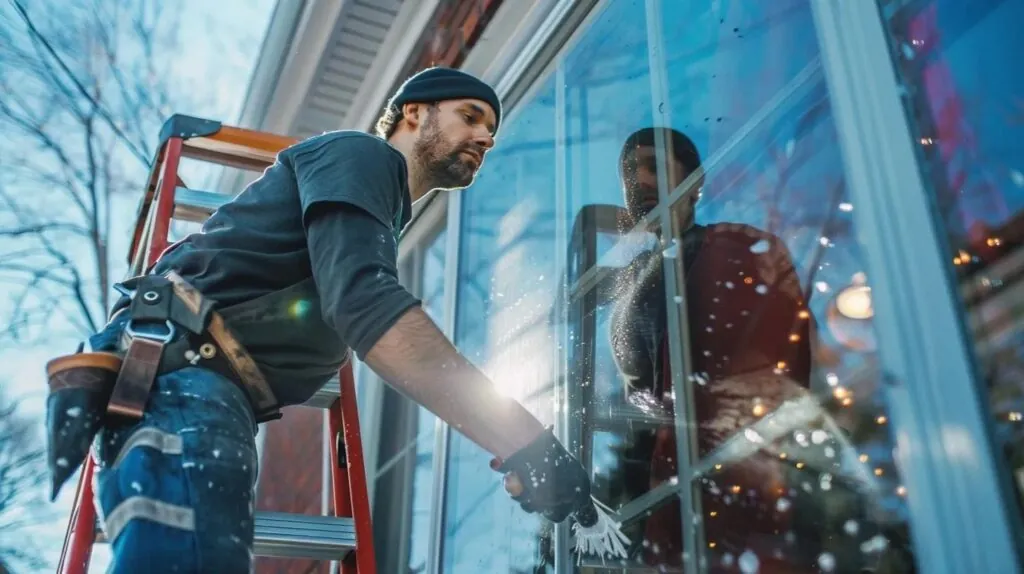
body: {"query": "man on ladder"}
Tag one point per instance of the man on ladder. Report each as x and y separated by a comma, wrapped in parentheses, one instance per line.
(261, 308)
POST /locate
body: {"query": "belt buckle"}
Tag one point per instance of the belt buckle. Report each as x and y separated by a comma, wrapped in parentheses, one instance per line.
(138, 370)
(133, 333)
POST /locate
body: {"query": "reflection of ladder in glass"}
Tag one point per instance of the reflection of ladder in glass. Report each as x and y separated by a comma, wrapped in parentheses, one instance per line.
(277, 534)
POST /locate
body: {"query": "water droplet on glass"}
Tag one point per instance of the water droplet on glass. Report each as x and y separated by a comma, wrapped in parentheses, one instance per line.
(800, 437)
(216, 453)
(753, 436)
(782, 505)
(825, 482)
(876, 544)
(709, 329)
(807, 487)
(672, 251)
(790, 147)
(790, 537)
(851, 527)
(729, 285)
(827, 562)
(136, 486)
(62, 462)
(678, 298)
(1017, 177)
(832, 379)
(821, 286)
(819, 436)
(728, 559)
(761, 246)
(845, 206)
(830, 452)
(74, 411)
(749, 564)
(761, 289)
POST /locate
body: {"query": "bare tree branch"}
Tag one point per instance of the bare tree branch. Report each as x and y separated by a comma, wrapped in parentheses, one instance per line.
(22, 472)
(83, 88)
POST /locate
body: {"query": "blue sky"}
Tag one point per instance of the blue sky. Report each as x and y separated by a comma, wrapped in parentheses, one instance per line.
(220, 45)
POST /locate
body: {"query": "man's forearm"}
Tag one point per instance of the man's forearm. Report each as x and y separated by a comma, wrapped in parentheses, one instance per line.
(416, 358)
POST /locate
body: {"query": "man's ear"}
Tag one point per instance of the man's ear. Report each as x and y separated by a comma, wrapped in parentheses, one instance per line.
(411, 113)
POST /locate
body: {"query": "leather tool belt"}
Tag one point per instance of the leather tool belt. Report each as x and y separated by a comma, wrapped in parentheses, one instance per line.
(172, 326)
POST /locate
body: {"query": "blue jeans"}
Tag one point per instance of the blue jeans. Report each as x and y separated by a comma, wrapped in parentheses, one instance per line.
(175, 490)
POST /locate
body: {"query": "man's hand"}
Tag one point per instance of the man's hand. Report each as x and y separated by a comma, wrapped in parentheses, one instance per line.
(543, 477)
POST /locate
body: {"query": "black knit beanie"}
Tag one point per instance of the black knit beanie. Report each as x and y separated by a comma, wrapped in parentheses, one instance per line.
(437, 84)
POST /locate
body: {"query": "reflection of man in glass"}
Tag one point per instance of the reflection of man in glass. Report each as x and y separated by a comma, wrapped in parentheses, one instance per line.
(749, 350)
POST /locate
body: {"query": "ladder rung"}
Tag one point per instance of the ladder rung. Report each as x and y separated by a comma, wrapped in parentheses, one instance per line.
(284, 535)
(196, 205)
(237, 147)
(287, 535)
(325, 397)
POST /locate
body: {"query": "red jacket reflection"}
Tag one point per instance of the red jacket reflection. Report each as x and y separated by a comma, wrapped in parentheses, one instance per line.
(749, 351)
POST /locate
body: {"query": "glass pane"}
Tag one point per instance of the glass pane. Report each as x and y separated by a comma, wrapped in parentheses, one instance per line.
(787, 443)
(507, 278)
(957, 61)
(406, 446)
(563, 300)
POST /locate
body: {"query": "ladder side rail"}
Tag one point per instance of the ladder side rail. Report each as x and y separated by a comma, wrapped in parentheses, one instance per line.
(81, 534)
(351, 497)
(78, 540)
(160, 229)
(358, 491)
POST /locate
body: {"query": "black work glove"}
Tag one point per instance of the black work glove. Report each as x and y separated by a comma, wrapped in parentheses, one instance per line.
(553, 482)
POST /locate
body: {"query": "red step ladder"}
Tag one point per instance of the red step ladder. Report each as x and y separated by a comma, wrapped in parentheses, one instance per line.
(278, 534)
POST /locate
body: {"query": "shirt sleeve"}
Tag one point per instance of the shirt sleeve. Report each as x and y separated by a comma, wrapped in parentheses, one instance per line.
(354, 267)
(352, 168)
(351, 188)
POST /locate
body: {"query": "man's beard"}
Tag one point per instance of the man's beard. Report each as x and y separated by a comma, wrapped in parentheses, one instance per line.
(440, 169)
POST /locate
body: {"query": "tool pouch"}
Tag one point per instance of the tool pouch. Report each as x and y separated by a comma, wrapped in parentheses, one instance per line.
(80, 387)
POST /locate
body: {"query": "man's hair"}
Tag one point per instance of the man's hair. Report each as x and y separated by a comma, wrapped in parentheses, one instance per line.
(682, 147)
(387, 123)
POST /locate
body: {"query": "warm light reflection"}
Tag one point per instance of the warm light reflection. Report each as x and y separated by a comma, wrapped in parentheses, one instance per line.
(901, 490)
(881, 420)
(854, 302)
(863, 458)
(879, 472)
(759, 410)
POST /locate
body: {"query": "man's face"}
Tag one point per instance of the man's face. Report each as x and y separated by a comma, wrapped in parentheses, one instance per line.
(640, 182)
(453, 137)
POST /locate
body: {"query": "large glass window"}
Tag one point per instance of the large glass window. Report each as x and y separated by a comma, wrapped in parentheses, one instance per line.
(959, 64)
(659, 259)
